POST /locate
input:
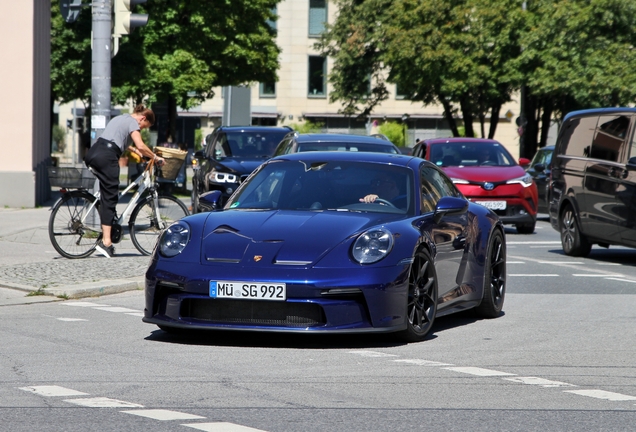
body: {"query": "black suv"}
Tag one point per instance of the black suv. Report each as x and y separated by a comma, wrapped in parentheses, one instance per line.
(592, 190)
(231, 153)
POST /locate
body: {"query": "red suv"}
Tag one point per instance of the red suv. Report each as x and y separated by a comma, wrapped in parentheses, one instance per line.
(487, 174)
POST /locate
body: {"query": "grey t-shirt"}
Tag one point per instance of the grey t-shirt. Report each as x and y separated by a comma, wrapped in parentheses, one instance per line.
(118, 130)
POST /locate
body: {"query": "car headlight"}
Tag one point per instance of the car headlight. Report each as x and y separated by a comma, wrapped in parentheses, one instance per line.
(223, 177)
(459, 181)
(373, 245)
(525, 181)
(174, 239)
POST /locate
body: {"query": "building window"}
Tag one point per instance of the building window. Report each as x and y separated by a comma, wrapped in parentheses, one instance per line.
(317, 17)
(267, 90)
(399, 92)
(317, 74)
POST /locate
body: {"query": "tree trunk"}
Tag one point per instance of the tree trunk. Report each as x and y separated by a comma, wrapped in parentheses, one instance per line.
(494, 120)
(448, 114)
(467, 113)
(546, 121)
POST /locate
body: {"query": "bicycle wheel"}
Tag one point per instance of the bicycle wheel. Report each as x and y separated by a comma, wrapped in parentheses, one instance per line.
(72, 231)
(145, 226)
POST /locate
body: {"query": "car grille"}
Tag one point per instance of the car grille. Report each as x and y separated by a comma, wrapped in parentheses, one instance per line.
(281, 314)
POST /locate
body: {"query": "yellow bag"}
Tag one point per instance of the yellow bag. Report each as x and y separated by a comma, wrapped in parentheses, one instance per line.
(133, 157)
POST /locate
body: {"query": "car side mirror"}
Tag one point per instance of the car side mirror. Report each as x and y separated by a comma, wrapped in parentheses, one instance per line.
(198, 154)
(524, 162)
(210, 201)
(448, 206)
(631, 164)
(539, 167)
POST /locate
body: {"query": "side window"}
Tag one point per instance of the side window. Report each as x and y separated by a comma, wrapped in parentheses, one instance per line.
(632, 149)
(609, 137)
(434, 186)
(576, 136)
(282, 147)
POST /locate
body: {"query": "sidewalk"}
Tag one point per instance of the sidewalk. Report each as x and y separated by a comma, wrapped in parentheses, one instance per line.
(29, 264)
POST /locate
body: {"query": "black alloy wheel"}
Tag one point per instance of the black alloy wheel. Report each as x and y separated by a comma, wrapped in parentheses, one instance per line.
(494, 277)
(573, 242)
(421, 306)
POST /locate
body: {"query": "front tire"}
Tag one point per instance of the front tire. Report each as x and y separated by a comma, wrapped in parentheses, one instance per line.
(421, 306)
(573, 242)
(145, 228)
(73, 234)
(494, 277)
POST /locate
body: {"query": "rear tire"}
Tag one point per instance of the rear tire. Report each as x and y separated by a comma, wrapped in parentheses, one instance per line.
(71, 237)
(573, 242)
(525, 228)
(494, 277)
(144, 226)
(421, 306)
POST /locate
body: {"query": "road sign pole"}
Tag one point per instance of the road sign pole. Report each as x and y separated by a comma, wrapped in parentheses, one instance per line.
(100, 70)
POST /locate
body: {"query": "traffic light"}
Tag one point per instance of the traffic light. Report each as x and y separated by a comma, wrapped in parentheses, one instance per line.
(125, 20)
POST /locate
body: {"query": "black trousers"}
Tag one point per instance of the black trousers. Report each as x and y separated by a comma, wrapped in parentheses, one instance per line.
(103, 158)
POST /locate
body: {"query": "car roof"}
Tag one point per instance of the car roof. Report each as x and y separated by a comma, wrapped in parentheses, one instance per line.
(331, 156)
(594, 111)
(460, 140)
(254, 128)
(337, 137)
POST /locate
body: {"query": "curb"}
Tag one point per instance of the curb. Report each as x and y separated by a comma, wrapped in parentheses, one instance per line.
(91, 289)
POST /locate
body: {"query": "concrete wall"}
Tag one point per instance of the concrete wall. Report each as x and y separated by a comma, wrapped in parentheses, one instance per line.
(25, 111)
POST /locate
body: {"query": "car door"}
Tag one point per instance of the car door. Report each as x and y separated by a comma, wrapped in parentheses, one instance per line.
(603, 175)
(626, 192)
(449, 235)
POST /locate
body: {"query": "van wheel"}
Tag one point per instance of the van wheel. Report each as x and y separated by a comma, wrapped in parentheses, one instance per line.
(574, 243)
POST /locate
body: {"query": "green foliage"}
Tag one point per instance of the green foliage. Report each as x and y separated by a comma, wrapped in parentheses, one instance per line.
(307, 127)
(145, 136)
(58, 135)
(394, 132)
(185, 49)
(198, 139)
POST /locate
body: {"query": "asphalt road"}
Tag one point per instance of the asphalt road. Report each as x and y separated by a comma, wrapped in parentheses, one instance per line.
(561, 358)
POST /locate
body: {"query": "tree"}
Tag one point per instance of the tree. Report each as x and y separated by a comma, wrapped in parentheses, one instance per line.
(577, 54)
(185, 49)
(456, 53)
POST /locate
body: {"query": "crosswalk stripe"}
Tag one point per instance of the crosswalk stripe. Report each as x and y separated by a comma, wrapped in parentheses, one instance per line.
(221, 427)
(478, 371)
(539, 381)
(48, 391)
(163, 415)
(103, 402)
(602, 394)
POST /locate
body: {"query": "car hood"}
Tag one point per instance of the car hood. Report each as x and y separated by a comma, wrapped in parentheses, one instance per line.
(276, 237)
(485, 174)
(240, 165)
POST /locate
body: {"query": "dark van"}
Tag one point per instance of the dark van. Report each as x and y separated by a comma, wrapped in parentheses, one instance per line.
(592, 191)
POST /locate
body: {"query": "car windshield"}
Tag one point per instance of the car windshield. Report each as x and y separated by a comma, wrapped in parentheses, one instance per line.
(333, 185)
(346, 146)
(247, 144)
(542, 157)
(470, 154)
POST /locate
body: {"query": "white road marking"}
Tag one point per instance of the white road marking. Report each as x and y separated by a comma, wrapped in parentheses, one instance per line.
(53, 391)
(372, 354)
(539, 381)
(621, 280)
(420, 362)
(82, 304)
(608, 264)
(115, 309)
(137, 314)
(533, 275)
(597, 275)
(533, 242)
(71, 319)
(102, 402)
(560, 262)
(478, 371)
(602, 394)
(515, 262)
(221, 427)
(163, 415)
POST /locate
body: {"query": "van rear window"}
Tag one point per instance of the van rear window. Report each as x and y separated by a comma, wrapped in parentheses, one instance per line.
(576, 136)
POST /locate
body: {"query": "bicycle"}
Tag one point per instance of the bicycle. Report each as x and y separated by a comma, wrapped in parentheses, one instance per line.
(74, 224)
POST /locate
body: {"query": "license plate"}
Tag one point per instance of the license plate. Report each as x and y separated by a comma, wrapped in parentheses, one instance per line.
(248, 290)
(493, 205)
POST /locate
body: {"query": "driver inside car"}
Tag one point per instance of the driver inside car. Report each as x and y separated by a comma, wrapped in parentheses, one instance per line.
(384, 187)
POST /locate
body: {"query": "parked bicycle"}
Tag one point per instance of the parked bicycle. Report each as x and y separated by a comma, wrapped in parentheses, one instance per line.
(75, 227)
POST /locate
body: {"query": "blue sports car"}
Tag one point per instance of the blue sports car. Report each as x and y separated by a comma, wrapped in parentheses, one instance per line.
(330, 242)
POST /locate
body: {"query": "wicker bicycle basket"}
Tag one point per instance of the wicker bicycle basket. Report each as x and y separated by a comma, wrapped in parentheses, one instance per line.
(174, 161)
(70, 177)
